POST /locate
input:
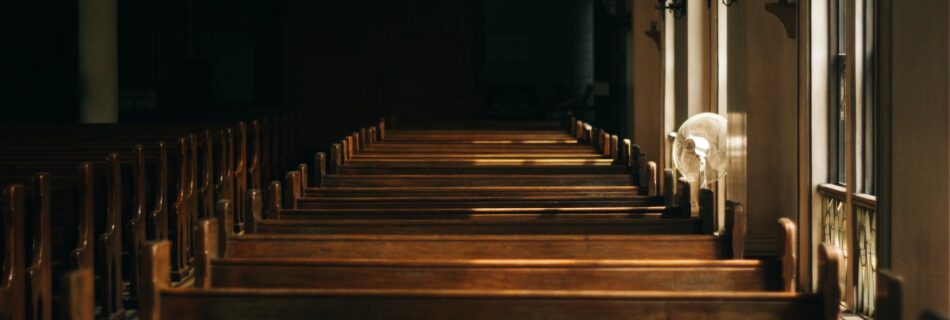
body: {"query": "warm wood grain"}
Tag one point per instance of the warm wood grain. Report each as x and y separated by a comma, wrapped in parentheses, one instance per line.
(606, 275)
(477, 246)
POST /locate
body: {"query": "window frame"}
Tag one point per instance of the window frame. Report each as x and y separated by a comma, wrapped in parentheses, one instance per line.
(847, 214)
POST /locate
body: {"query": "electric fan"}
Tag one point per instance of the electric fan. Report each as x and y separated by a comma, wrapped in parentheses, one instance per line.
(699, 151)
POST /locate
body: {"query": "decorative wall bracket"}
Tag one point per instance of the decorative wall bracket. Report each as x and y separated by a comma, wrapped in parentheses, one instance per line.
(653, 34)
(785, 11)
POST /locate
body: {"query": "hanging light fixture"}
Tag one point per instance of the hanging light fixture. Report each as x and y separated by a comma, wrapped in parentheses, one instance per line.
(676, 7)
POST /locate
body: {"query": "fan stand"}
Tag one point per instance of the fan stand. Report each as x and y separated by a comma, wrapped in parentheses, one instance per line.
(695, 187)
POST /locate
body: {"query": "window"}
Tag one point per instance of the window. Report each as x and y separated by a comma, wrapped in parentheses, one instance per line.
(848, 218)
(838, 91)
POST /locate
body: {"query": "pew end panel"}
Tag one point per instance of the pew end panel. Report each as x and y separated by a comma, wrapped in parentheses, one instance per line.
(624, 155)
(635, 163)
(293, 192)
(240, 172)
(678, 202)
(683, 196)
(615, 149)
(652, 180)
(372, 135)
(347, 144)
(336, 159)
(889, 296)
(110, 257)
(735, 229)
(603, 143)
(382, 128)
(569, 122)
(224, 210)
(181, 217)
(254, 165)
(319, 170)
(157, 275)
(829, 260)
(206, 189)
(787, 253)
(13, 284)
(209, 246)
(39, 271)
(579, 131)
(83, 256)
(78, 292)
(364, 139)
(274, 204)
(668, 194)
(707, 210)
(158, 216)
(589, 134)
(254, 210)
(136, 225)
(304, 171)
(643, 176)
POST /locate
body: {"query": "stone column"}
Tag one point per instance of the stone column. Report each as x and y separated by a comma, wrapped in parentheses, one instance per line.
(98, 62)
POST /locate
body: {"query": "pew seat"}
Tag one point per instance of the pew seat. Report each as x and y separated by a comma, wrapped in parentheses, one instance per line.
(415, 247)
(184, 304)
(497, 224)
(486, 180)
(484, 274)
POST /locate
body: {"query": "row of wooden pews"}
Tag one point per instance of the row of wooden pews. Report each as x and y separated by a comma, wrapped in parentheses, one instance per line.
(369, 232)
(85, 198)
(524, 220)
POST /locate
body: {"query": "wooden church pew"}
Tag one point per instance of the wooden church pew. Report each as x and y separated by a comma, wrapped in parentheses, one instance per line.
(413, 247)
(460, 221)
(297, 191)
(77, 212)
(502, 199)
(26, 291)
(383, 193)
(478, 180)
(118, 212)
(481, 246)
(396, 296)
(438, 272)
(279, 303)
(637, 172)
(13, 303)
(127, 212)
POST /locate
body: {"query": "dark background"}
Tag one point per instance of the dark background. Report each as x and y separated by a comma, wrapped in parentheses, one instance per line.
(338, 64)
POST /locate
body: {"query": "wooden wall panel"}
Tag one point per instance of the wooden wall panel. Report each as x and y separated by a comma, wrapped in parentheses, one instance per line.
(920, 168)
(763, 126)
(646, 79)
